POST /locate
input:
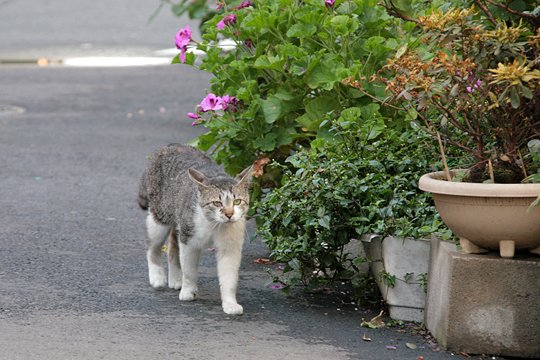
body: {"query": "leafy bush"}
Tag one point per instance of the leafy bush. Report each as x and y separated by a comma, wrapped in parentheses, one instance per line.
(362, 181)
(289, 72)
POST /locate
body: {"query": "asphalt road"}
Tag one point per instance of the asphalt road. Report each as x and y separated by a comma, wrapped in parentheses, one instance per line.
(73, 143)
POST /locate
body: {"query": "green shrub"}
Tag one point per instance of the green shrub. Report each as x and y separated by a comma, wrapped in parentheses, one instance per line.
(362, 181)
(290, 72)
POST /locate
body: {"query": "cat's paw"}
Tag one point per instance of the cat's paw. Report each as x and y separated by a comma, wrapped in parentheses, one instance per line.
(175, 284)
(187, 294)
(157, 278)
(233, 308)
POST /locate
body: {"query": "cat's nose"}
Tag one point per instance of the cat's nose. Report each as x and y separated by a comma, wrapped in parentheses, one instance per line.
(228, 212)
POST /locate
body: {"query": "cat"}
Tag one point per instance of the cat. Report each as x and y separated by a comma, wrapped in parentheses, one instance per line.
(194, 203)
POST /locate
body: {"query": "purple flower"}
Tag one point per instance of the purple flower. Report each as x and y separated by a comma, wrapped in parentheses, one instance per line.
(211, 102)
(230, 103)
(329, 3)
(182, 39)
(227, 20)
(227, 100)
(476, 85)
(248, 43)
(192, 115)
(244, 4)
(277, 286)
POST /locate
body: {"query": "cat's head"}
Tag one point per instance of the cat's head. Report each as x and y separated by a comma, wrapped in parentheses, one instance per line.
(223, 199)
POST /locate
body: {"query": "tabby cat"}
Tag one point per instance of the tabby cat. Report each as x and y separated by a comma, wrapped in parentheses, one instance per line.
(195, 204)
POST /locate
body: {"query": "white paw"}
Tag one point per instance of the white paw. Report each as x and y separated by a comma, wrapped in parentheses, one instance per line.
(187, 294)
(175, 284)
(233, 309)
(157, 278)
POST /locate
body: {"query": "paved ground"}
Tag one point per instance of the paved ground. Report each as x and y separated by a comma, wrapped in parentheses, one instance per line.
(73, 275)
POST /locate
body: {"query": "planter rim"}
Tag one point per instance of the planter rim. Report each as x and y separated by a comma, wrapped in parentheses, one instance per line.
(435, 183)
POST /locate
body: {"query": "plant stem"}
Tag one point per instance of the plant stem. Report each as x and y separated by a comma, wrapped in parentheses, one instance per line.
(443, 156)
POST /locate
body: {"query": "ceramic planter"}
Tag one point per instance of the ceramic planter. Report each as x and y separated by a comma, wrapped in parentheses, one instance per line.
(487, 216)
(408, 261)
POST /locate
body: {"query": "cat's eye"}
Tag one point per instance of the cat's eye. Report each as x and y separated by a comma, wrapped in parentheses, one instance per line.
(217, 203)
(237, 201)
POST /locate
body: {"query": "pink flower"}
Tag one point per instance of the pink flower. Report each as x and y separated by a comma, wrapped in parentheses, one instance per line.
(244, 4)
(476, 85)
(211, 102)
(182, 39)
(229, 102)
(277, 286)
(329, 3)
(192, 115)
(227, 20)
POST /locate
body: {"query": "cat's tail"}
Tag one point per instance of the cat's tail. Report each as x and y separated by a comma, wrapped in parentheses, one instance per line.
(143, 194)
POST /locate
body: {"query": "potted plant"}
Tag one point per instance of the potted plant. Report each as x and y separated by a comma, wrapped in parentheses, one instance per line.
(473, 83)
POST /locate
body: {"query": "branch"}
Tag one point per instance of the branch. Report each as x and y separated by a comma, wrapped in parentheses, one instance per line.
(534, 19)
(486, 11)
(392, 10)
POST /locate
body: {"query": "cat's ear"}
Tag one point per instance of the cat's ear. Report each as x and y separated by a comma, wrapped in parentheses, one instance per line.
(245, 176)
(197, 177)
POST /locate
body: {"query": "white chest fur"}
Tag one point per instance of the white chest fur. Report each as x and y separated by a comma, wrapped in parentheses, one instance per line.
(207, 233)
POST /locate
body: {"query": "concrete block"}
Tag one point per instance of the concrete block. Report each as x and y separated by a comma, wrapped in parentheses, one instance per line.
(484, 304)
(407, 260)
(355, 250)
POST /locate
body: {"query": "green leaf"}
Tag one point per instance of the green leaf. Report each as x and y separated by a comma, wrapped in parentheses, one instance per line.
(176, 59)
(301, 30)
(527, 93)
(323, 75)
(402, 50)
(283, 136)
(325, 221)
(347, 8)
(343, 24)
(514, 98)
(267, 143)
(269, 62)
(285, 95)
(374, 44)
(204, 141)
(271, 108)
(317, 108)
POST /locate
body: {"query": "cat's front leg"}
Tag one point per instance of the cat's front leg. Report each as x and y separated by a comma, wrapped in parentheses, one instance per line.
(189, 258)
(229, 256)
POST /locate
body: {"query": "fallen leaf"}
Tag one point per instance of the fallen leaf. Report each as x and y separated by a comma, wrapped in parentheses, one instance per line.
(258, 166)
(374, 323)
(262, 261)
(365, 338)
(411, 346)
(420, 357)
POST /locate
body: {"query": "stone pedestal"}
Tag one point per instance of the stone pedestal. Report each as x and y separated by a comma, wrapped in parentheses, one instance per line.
(484, 304)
